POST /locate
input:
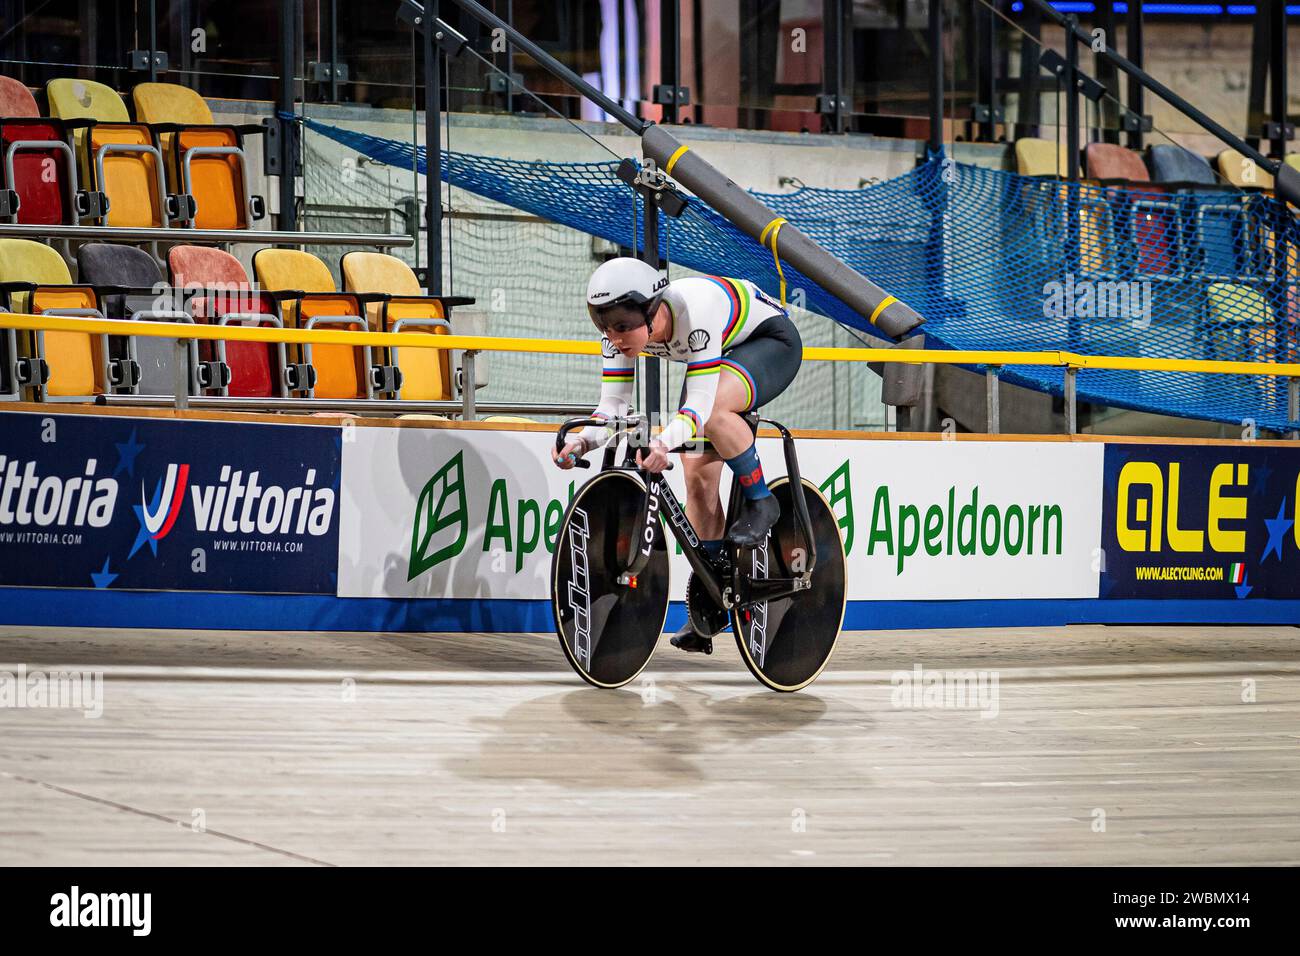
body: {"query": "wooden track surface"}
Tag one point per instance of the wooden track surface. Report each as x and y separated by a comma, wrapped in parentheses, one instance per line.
(485, 749)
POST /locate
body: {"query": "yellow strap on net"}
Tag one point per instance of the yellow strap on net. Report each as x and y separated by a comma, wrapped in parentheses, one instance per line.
(774, 227)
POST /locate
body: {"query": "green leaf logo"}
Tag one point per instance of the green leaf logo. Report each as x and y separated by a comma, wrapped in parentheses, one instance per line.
(436, 515)
(838, 490)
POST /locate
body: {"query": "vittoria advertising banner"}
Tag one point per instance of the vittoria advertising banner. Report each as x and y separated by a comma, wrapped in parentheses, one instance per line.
(1201, 521)
(163, 505)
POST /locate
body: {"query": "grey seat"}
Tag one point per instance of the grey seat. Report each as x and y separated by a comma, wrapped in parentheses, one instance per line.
(135, 275)
(1173, 164)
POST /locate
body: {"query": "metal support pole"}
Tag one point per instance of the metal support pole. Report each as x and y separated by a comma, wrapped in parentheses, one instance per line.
(1072, 105)
(1108, 76)
(985, 66)
(433, 148)
(467, 385)
(1293, 405)
(181, 372)
(1277, 68)
(936, 75)
(334, 51)
(993, 410)
(288, 131)
(650, 254)
(670, 59)
(1071, 402)
(153, 41)
(1133, 47)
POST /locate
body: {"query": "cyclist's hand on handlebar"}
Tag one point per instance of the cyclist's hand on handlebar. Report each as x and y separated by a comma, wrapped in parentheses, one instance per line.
(568, 456)
(654, 459)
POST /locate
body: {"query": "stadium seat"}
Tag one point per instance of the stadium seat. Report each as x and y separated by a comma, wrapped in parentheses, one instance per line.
(1240, 328)
(426, 373)
(1173, 164)
(1242, 172)
(304, 289)
(1041, 157)
(206, 166)
(116, 156)
(218, 291)
(38, 177)
(131, 287)
(55, 366)
(1107, 161)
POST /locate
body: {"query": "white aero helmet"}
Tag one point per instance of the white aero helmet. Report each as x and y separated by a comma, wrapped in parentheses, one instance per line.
(625, 282)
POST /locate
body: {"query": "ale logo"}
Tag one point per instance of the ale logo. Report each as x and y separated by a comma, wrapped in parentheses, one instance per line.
(441, 521)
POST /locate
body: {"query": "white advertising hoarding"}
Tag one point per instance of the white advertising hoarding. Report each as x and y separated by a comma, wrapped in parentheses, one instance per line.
(460, 513)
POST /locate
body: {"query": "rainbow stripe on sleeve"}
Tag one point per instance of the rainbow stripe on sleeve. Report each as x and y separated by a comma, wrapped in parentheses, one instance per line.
(738, 296)
(710, 367)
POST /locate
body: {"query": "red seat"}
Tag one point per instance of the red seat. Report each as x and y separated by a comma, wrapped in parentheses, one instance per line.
(40, 175)
(256, 368)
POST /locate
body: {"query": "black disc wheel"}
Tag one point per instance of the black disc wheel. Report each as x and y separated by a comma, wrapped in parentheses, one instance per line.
(608, 630)
(787, 642)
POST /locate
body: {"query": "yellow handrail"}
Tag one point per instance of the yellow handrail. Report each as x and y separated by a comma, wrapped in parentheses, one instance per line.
(481, 343)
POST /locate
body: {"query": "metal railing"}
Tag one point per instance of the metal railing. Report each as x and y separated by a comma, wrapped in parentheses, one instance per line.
(179, 234)
(991, 362)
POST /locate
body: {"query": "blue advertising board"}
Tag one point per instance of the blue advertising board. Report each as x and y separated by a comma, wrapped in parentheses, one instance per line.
(116, 502)
(1200, 522)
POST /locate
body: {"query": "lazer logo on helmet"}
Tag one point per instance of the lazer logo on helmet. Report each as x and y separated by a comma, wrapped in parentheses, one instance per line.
(29, 498)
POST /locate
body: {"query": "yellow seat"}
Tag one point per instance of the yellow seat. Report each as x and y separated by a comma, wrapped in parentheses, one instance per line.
(426, 373)
(342, 371)
(1242, 326)
(1293, 160)
(1041, 157)
(511, 418)
(35, 279)
(116, 157)
(1242, 172)
(216, 172)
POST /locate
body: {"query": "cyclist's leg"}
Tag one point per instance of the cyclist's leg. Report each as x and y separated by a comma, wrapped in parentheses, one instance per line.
(753, 374)
(703, 472)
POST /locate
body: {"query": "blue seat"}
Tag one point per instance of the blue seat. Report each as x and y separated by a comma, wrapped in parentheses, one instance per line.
(1173, 164)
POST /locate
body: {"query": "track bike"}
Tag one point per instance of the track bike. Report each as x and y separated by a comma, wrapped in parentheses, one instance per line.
(784, 599)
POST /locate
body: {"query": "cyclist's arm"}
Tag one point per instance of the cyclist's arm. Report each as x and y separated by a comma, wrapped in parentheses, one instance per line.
(616, 387)
(701, 391)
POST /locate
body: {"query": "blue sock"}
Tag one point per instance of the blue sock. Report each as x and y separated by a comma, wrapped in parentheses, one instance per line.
(749, 472)
(712, 548)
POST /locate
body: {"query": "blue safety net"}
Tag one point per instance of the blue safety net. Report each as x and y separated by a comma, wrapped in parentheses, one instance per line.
(992, 260)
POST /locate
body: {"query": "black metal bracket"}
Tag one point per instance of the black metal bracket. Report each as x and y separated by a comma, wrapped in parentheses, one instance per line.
(1132, 122)
(981, 113)
(654, 185)
(497, 81)
(412, 14)
(275, 129)
(142, 60)
(828, 104)
(9, 202)
(665, 94)
(1276, 130)
(327, 72)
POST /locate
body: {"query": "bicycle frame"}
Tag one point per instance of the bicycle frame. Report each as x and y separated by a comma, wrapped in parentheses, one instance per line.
(727, 585)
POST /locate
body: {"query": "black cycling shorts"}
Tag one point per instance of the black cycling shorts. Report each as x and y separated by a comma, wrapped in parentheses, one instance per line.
(766, 362)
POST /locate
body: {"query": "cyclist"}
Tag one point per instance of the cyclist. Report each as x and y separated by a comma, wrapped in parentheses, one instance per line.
(741, 351)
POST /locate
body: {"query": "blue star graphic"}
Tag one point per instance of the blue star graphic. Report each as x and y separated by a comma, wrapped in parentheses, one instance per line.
(1259, 478)
(143, 534)
(1277, 529)
(126, 453)
(103, 578)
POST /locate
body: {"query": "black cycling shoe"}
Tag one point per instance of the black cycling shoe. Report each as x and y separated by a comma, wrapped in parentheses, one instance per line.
(754, 521)
(688, 640)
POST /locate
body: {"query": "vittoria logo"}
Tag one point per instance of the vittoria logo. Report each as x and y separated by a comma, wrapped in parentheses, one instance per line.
(28, 498)
(159, 516)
